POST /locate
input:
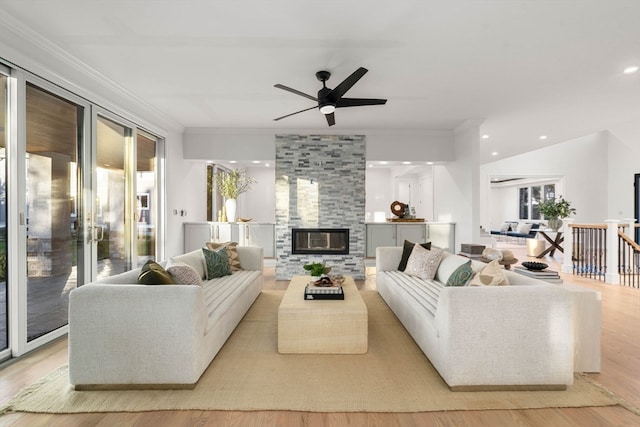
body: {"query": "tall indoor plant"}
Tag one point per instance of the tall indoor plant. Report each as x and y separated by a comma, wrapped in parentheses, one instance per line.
(554, 210)
(230, 184)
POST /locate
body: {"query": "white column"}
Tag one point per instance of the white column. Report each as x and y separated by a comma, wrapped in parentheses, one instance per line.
(612, 276)
(567, 262)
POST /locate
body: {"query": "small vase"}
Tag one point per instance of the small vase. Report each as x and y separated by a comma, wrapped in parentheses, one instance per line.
(230, 207)
(554, 223)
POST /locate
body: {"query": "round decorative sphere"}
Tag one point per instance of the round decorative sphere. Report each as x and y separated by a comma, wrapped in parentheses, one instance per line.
(507, 255)
(492, 254)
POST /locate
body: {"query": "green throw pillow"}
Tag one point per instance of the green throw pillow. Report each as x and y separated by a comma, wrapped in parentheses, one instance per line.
(152, 273)
(406, 253)
(217, 263)
(461, 275)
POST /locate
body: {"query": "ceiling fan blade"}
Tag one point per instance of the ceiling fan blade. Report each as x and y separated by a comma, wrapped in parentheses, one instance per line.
(301, 111)
(331, 119)
(346, 84)
(356, 102)
(297, 92)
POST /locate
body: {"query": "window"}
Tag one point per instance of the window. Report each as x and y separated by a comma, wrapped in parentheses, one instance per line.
(529, 199)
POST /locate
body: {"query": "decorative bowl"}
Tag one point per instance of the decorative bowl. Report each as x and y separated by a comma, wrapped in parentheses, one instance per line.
(536, 266)
(244, 219)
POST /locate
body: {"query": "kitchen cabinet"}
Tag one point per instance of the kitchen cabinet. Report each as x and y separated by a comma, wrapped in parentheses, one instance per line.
(258, 234)
(196, 234)
(394, 234)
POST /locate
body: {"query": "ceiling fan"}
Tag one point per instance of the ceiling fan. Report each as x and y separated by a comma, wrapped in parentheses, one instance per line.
(330, 99)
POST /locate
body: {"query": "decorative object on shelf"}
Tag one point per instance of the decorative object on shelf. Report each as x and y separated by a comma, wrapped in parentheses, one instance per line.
(535, 266)
(244, 219)
(492, 254)
(230, 185)
(317, 269)
(507, 255)
(398, 209)
(554, 210)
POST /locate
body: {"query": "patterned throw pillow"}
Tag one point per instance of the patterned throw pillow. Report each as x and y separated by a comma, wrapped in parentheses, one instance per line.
(461, 275)
(152, 273)
(217, 263)
(491, 275)
(406, 253)
(183, 273)
(232, 252)
(423, 263)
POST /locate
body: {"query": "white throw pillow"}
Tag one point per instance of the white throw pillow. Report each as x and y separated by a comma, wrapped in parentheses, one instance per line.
(423, 263)
(491, 275)
(524, 228)
(183, 273)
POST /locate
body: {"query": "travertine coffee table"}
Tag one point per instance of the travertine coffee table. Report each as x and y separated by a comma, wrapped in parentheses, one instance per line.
(322, 326)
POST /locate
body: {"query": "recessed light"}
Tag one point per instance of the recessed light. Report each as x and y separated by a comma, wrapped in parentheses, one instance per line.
(485, 136)
(495, 153)
(233, 161)
(406, 163)
(384, 162)
(255, 162)
(429, 163)
(370, 165)
(267, 164)
(543, 137)
(632, 69)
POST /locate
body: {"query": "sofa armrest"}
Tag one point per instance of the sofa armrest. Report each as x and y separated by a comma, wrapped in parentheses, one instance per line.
(251, 257)
(526, 331)
(388, 258)
(139, 332)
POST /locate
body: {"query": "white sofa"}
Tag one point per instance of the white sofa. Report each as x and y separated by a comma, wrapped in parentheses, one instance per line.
(483, 337)
(126, 335)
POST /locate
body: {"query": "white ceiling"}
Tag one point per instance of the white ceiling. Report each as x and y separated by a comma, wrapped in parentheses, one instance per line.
(526, 68)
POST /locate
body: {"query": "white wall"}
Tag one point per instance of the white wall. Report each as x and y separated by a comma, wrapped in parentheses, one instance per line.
(582, 164)
(624, 162)
(379, 192)
(260, 202)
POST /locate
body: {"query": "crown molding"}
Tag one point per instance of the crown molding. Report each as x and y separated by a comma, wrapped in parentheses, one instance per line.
(63, 62)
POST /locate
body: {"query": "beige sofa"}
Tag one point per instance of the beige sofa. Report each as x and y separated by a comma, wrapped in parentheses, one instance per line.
(483, 337)
(126, 335)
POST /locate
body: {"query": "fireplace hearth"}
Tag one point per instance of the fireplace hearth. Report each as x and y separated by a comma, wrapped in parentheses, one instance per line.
(320, 241)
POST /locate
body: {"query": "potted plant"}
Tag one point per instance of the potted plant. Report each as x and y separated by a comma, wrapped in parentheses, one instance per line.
(317, 269)
(554, 210)
(230, 185)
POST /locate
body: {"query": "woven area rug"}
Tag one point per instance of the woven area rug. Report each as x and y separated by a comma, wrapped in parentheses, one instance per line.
(249, 374)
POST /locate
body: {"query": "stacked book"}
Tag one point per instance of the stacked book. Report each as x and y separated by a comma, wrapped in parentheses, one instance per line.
(312, 292)
(471, 251)
(546, 275)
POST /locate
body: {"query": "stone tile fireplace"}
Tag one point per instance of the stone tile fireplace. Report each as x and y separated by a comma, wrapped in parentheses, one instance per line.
(320, 188)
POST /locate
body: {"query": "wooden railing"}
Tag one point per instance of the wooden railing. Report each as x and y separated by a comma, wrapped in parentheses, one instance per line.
(589, 254)
(629, 260)
(605, 252)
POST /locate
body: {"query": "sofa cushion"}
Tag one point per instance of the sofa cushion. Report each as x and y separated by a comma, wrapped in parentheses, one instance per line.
(196, 260)
(423, 263)
(153, 273)
(183, 273)
(217, 263)
(523, 228)
(448, 265)
(491, 275)
(232, 252)
(406, 253)
(461, 275)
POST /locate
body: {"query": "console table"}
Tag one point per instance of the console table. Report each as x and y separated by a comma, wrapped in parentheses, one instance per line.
(554, 243)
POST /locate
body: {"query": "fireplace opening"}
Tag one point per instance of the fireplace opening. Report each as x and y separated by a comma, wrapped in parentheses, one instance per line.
(319, 241)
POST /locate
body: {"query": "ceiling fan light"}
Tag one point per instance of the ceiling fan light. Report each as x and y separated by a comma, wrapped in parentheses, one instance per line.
(327, 109)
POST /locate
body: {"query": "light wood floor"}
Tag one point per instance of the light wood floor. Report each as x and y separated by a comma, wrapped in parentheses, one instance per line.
(620, 373)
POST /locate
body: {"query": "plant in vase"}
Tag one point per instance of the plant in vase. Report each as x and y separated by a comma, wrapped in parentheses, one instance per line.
(554, 210)
(230, 185)
(317, 269)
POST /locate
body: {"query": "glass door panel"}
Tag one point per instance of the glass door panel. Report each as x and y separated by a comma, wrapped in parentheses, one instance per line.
(53, 135)
(146, 200)
(4, 302)
(111, 188)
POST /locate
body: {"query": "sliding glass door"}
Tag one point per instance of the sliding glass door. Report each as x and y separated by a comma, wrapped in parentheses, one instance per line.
(4, 288)
(54, 134)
